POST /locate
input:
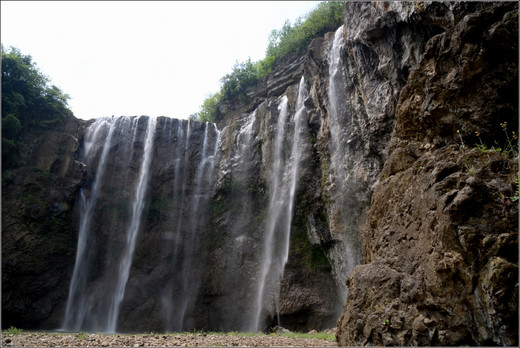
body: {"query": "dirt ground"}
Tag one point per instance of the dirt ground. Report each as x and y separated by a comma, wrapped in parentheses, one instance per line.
(33, 339)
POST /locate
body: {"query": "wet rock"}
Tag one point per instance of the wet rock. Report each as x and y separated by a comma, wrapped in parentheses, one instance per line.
(38, 226)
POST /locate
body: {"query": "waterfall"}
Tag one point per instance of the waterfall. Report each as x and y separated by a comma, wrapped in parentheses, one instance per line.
(284, 178)
(76, 303)
(97, 308)
(189, 218)
(344, 256)
(135, 223)
(203, 179)
(180, 158)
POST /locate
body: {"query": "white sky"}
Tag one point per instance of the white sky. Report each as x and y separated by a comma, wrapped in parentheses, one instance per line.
(142, 57)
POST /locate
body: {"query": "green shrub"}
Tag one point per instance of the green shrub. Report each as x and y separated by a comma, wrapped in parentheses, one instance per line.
(208, 109)
(327, 16)
(290, 39)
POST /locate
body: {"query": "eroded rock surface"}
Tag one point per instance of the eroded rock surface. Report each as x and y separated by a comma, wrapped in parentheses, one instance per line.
(441, 237)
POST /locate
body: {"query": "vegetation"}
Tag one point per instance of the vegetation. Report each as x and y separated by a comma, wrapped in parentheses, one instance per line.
(514, 198)
(28, 101)
(82, 335)
(510, 148)
(294, 39)
(290, 39)
(328, 336)
(208, 109)
(12, 331)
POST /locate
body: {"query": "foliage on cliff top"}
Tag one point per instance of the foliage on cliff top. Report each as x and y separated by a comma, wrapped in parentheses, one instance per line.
(290, 39)
(28, 101)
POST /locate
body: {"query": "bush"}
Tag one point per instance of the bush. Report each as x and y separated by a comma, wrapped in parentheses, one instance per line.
(208, 109)
(289, 39)
(327, 16)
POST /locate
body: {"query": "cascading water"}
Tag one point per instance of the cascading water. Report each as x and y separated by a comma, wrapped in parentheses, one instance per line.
(172, 300)
(275, 249)
(76, 309)
(98, 309)
(133, 230)
(203, 180)
(108, 283)
(345, 255)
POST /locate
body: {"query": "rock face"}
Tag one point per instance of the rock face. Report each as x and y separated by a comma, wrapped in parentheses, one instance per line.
(259, 189)
(354, 159)
(38, 230)
(441, 236)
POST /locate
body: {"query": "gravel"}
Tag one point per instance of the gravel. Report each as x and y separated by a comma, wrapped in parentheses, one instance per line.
(28, 339)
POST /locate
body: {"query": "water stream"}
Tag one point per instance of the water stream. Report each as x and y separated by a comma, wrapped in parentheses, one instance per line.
(77, 301)
(345, 255)
(98, 308)
(133, 229)
(275, 249)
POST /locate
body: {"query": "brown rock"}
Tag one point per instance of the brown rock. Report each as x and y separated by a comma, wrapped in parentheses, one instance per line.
(440, 247)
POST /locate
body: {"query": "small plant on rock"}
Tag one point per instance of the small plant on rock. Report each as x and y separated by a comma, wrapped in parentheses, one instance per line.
(510, 147)
(13, 331)
(505, 202)
(514, 198)
(461, 140)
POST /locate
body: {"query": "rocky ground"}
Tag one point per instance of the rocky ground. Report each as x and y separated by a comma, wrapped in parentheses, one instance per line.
(39, 339)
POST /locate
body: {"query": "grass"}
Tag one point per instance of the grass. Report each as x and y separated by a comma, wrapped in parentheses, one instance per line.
(318, 335)
(12, 331)
(510, 148)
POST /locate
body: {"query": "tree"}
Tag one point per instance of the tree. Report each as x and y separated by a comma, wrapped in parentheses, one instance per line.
(27, 101)
(289, 39)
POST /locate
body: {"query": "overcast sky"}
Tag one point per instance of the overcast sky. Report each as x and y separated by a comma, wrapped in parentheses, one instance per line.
(142, 58)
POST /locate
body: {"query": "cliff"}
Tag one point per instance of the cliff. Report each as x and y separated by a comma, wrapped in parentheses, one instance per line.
(38, 229)
(441, 236)
(357, 159)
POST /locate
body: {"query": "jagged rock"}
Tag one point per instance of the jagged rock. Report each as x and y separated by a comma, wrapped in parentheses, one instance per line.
(438, 237)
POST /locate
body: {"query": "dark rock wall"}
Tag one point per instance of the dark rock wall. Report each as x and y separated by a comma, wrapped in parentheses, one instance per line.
(38, 230)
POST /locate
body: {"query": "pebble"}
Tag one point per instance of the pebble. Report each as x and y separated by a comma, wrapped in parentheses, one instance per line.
(29, 339)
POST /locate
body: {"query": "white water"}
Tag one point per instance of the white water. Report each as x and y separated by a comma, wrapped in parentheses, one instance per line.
(133, 230)
(97, 309)
(189, 215)
(284, 178)
(181, 147)
(242, 159)
(76, 304)
(336, 84)
(344, 256)
(203, 177)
